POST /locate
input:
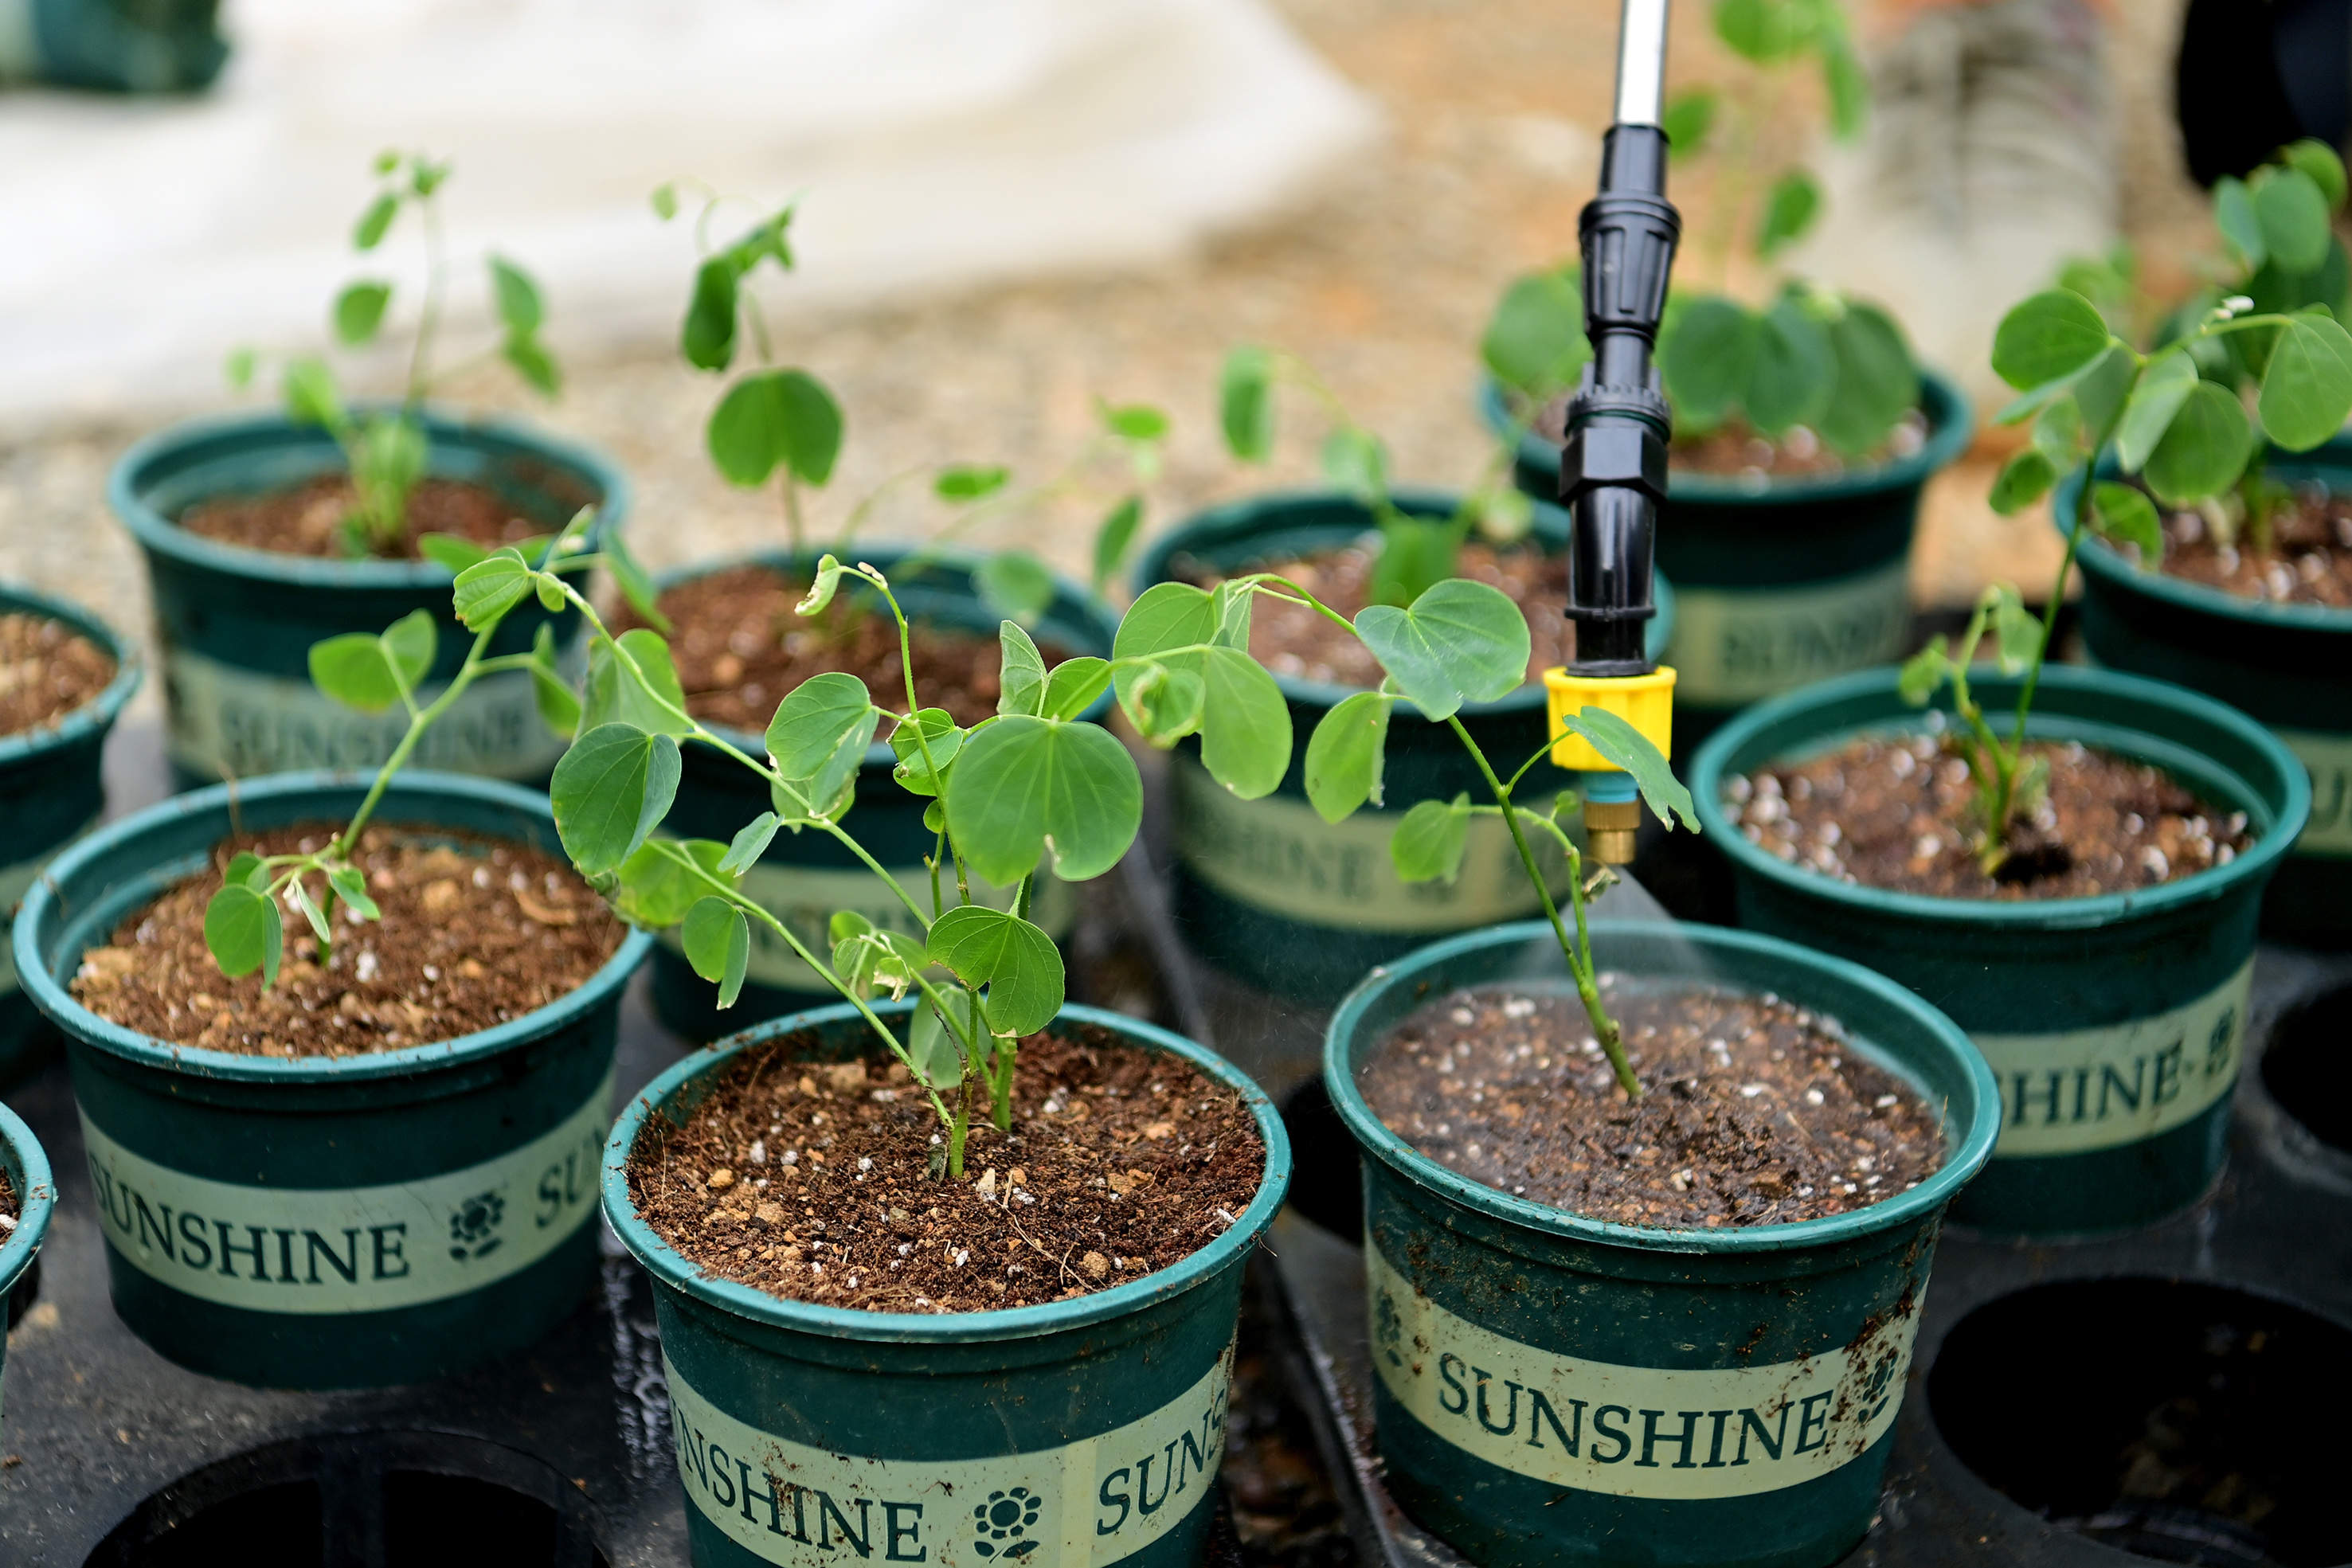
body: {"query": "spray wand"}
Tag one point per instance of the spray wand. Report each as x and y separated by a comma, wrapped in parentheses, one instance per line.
(1613, 468)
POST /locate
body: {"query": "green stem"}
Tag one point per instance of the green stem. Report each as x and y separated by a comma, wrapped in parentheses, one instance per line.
(418, 724)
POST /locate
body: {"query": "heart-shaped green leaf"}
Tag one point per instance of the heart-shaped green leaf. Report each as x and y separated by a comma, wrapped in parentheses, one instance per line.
(1114, 536)
(2048, 335)
(2241, 225)
(1707, 358)
(2293, 213)
(350, 885)
(816, 720)
(245, 934)
(1430, 840)
(1014, 959)
(931, 734)
(751, 841)
(521, 309)
(611, 789)
(2203, 450)
(775, 418)
(2163, 386)
(1015, 584)
(1245, 403)
(486, 590)
(1072, 685)
(1021, 678)
(2016, 634)
(1877, 382)
(1535, 340)
(359, 311)
(624, 691)
(1632, 752)
(659, 883)
(869, 957)
(1345, 755)
(2024, 480)
(718, 942)
(372, 672)
(2307, 386)
(2123, 513)
(1023, 783)
(1788, 383)
(558, 706)
(707, 339)
(1789, 209)
(1460, 641)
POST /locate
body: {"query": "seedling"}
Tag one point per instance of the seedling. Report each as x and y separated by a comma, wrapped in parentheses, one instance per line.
(386, 449)
(781, 423)
(2095, 404)
(1416, 552)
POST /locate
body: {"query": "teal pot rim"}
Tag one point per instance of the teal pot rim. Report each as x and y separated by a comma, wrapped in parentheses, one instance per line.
(1789, 712)
(2101, 561)
(86, 1028)
(1551, 525)
(37, 1197)
(886, 554)
(661, 1260)
(1951, 425)
(92, 717)
(126, 485)
(1960, 1163)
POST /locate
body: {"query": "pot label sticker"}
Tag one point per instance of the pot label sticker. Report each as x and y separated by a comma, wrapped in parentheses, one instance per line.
(1732, 646)
(224, 721)
(16, 881)
(353, 1249)
(806, 898)
(2330, 759)
(2087, 1088)
(1275, 855)
(1095, 1501)
(1634, 1431)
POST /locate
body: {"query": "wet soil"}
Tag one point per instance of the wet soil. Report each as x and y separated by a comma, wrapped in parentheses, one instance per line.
(2309, 560)
(475, 931)
(47, 671)
(1292, 640)
(809, 1180)
(1753, 1111)
(1736, 450)
(308, 518)
(739, 649)
(1898, 812)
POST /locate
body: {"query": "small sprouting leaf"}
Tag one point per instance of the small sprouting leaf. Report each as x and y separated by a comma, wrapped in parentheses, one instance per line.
(2240, 226)
(311, 913)
(1686, 119)
(2048, 335)
(311, 397)
(486, 590)
(453, 550)
(1788, 383)
(245, 934)
(1245, 403)
(2016, 634)
(1013, 958)
(2203, 450)
(1074, 686)
(424, 176)
(2123, 514)
(1245, 725)
(520, 306)
(1114, 537)
(665, 200)
(1875, 383)
(641, 689)
(1849, 91)
(1135, 421)
(2100, 392)
(2320, 165)
(1355, 463)
(1014, 584)
(1428, 842)
(775, 417)
(1165, 703)
(376, 223)
(931, 732)
(246, 870)
(718, 942)
(635, 586)
(558, 707)
(238, 368)
(868, 955)
(369, 672)
(1021, 672)
(386, 162)
(2293, 213)
(752, 842)
(708, 337)
(1460, 641)
(529, 359)
(611, 789)
(2058, 433)
(970, 482)
(2163, 386)
(1632, 751)
(1535, 340)
(2307, 386)
(350, 885)
(359, 311)
(664, 879)
(1707, 357)
(1789, 211)
(2024, 480)
(1924, 671)
(1023, 784)
(409, 645)
(1347, 754)
(933, 1047)
(816, 720)
(1761, 31)
(823, 586)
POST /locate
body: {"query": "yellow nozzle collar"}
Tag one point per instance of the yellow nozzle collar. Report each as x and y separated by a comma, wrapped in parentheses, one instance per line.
(1646, 702)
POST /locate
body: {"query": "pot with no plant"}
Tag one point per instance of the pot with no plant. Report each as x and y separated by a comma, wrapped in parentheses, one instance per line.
(738, 649)
(27, 1197)
(365, 1153)
(1804, 432)
(64, 677)
(2084, 900)
(2246, 595)
(267, 533)
(1280, 888)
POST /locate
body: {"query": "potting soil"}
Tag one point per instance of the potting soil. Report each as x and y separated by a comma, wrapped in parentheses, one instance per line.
(47, 671)
(2309, 560)
(1735, 448)
(308, 520)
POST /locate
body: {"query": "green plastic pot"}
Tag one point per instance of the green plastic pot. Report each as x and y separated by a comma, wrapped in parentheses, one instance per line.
(1266, 890)
(37, 1194)
(2113, 1024)
(805, 878)
(1784, 582)
(1717, 1397)
(235, 626)
(50, 789)
(2288, 665)
(806, 1431)
(329, 1222)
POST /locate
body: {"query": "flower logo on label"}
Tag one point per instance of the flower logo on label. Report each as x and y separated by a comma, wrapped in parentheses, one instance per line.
(2217, 1048)
(1002, 1524)
(1388, 1329)
(473, 1226)
(1875, 1387)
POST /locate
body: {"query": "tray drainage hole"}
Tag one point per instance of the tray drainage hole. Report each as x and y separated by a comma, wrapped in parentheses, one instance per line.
(2169, 1419)
(401, 1500)
(2308, 1071)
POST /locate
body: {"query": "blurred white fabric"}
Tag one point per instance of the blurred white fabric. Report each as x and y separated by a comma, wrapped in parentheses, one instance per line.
(933, 143)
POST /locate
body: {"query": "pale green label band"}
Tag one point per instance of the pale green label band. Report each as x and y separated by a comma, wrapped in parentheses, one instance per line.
(2329, 759)
(1090, 1502)
(2085, 1089)
(1634, 1431)
(227, 722)
(352, 1249)
(1735, 645)
(16, 881)
(806, 898)
(1276, 855)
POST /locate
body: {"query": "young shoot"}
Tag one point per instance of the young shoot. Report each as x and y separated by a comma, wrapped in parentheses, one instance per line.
(385, 448)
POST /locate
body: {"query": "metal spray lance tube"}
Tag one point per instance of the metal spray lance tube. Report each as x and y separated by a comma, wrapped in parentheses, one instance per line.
(1612, 471)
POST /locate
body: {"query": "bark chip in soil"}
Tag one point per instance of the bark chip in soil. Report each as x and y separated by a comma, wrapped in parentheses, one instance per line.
(46, 670)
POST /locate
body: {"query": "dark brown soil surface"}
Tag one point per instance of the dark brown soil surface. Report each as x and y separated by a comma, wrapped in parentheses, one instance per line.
(308, 518)
(475, 931)
(810, 1180)
(47, 671)
(1737, 450)
(1898, 812)
(739, 649)
(1752, 1112)
(1292, 640)
(9, 1209)
(2309, 561)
